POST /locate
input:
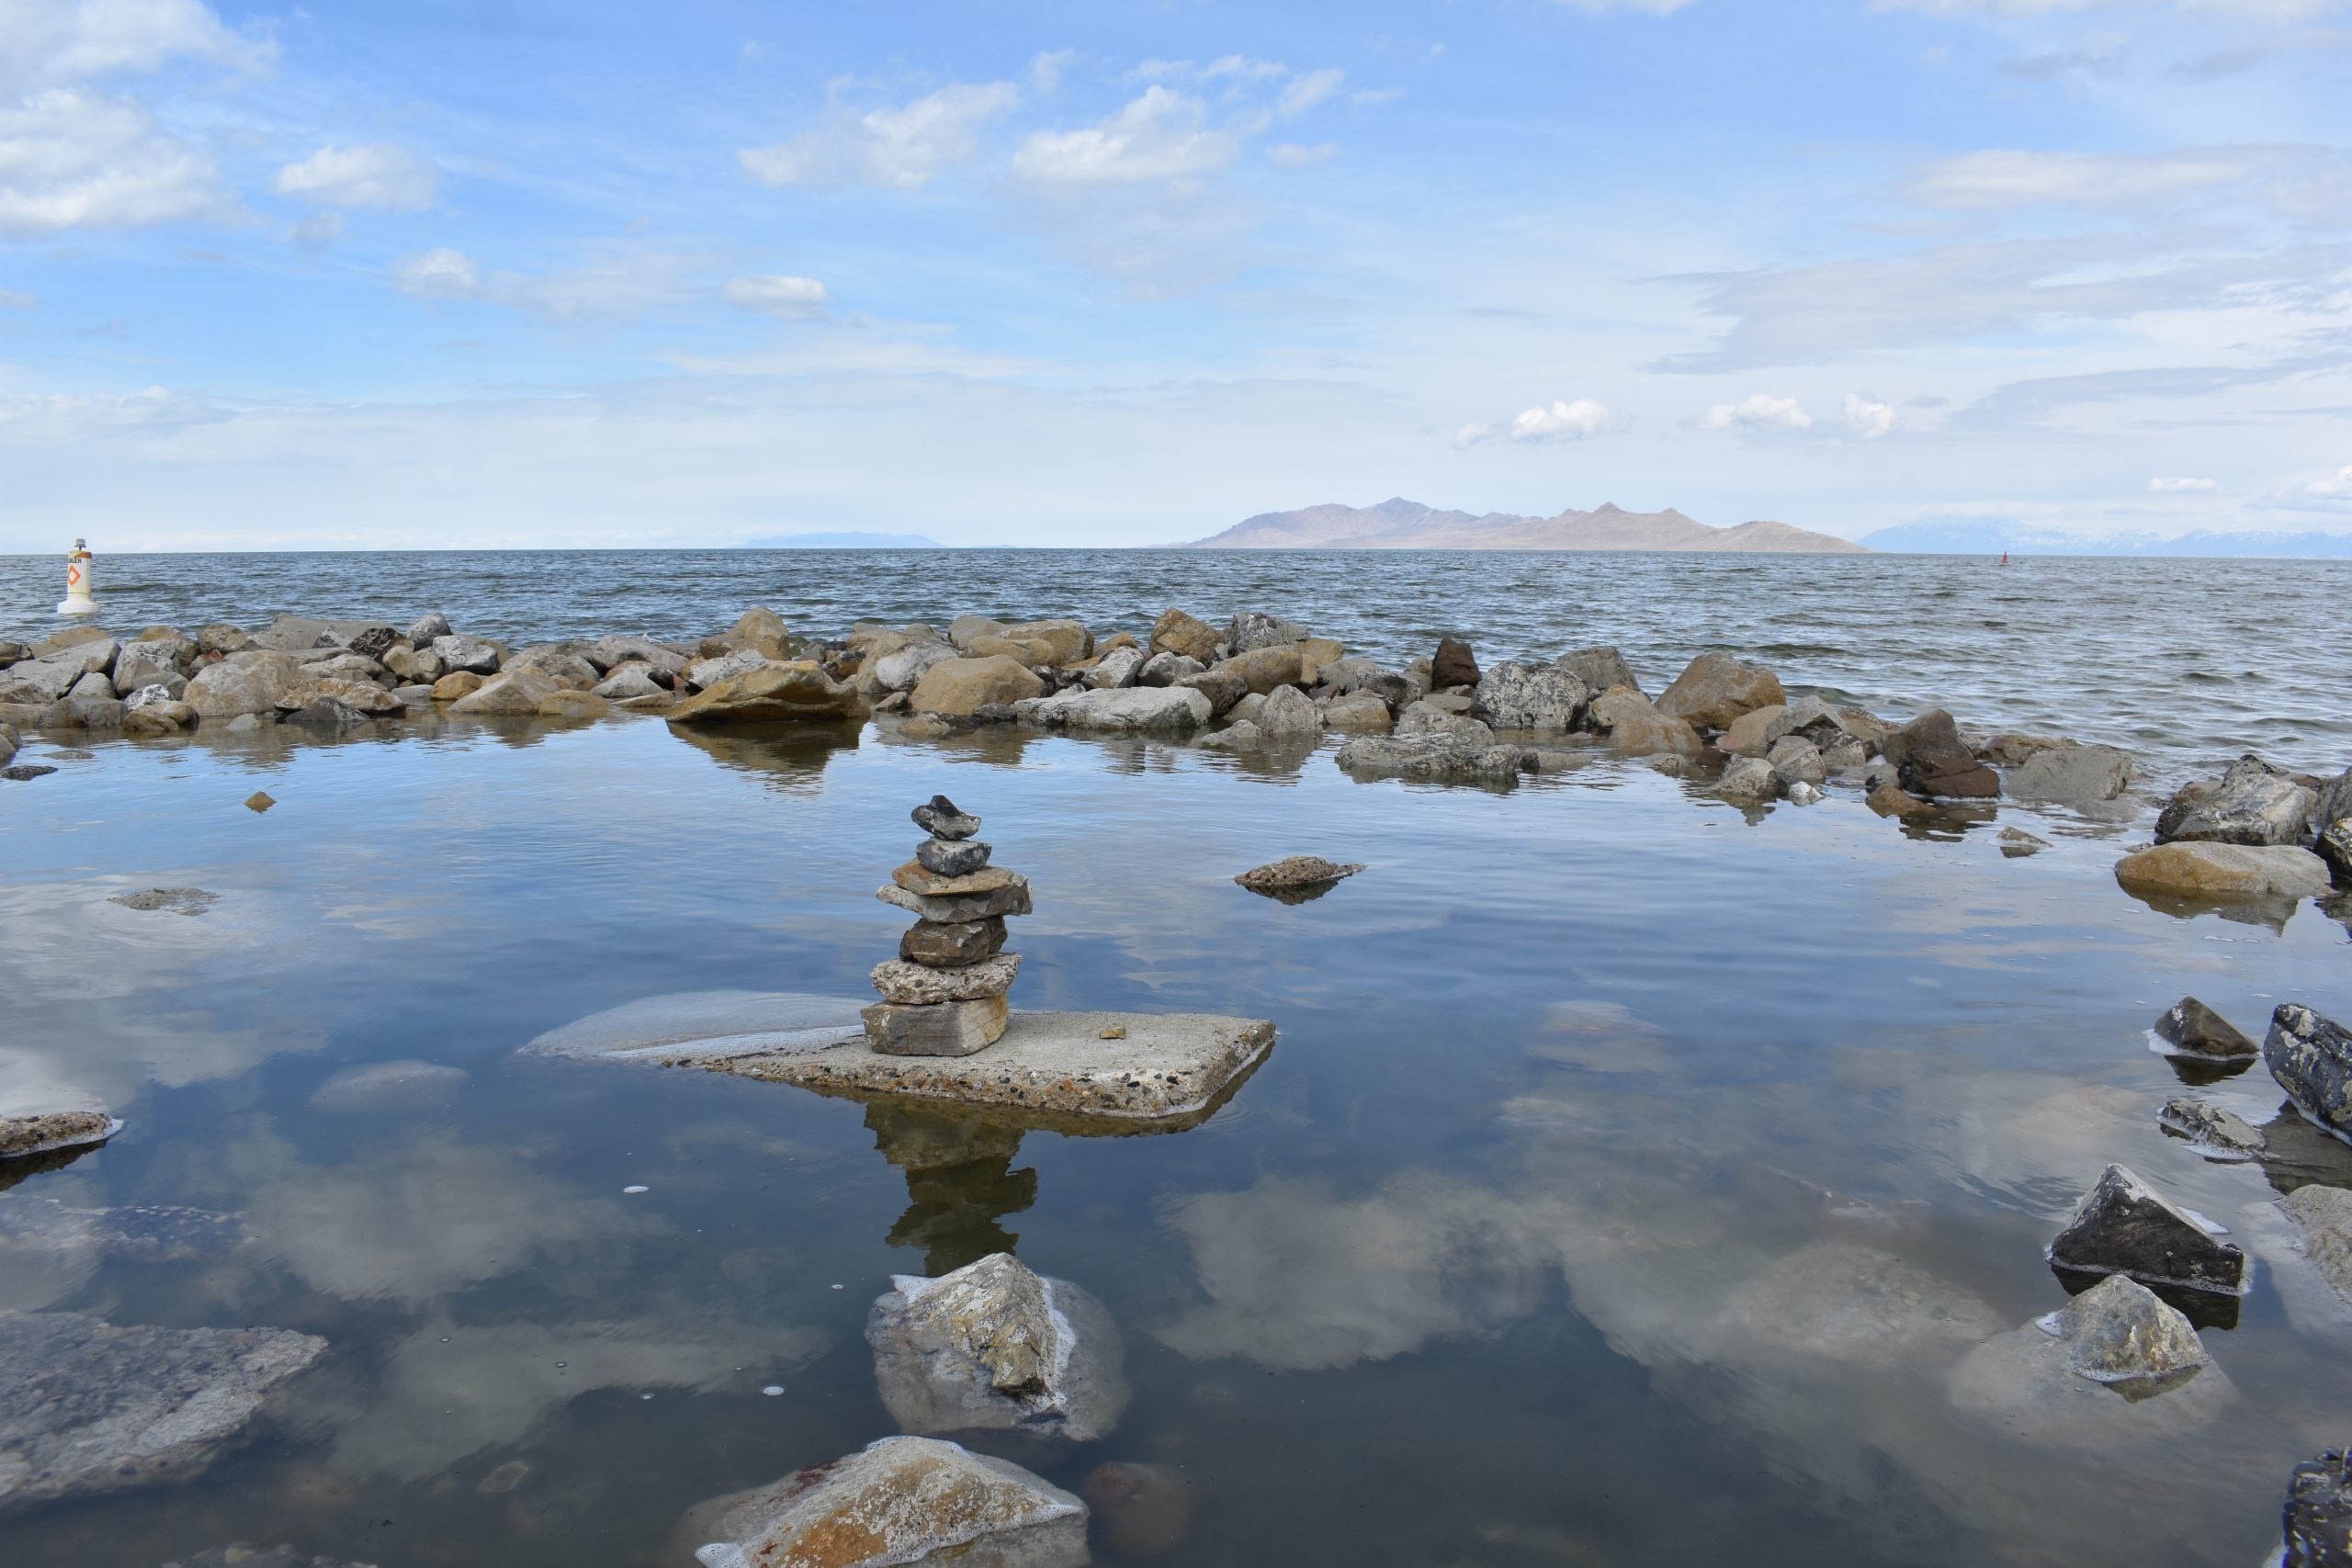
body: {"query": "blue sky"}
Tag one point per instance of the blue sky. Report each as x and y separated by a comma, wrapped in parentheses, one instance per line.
(512, 272)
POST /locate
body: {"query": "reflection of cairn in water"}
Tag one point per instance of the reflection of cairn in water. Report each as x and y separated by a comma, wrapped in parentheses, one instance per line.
(960, 1181)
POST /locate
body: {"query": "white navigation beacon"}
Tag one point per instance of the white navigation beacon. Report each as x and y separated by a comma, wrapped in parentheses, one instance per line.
(78, 600)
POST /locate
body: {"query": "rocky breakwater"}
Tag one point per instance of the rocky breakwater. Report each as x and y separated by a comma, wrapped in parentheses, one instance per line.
(944, 994)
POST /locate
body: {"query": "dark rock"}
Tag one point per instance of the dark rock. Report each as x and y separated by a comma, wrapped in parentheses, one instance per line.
(2253, 804)
(1934, 761)
(372, 642)
(1296, 873)
(2311, 1055)
(2335, 847)
(942, 818)
(1140, 1510)
(1599, 669)
(951, 944)
(23, 771)
(2315, 1529)
(178, 901)
(952, 857)
(1453, 665)
(2190, 1025)
(2124, 1226)
(332, 714)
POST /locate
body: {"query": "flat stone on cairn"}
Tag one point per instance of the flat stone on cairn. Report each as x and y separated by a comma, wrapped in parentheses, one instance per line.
(944, 995)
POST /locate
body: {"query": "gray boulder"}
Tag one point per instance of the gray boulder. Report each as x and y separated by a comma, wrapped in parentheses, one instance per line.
(560, 662)
(93, 1408)
(1251, 630)
(705, 673)
(608, 652)
(2124, 1226)
(2311, 1055)
(1288, 713)
(1132, 709)
(1748, 778)
(1241, 735)
(2252, 804)
(1430, 758)
(2219, 1134)
(1525, 696)
(628, 680)
(1599, 669)
(2073, 776)
(2315, 1528)
(1167, 669)
(469, 653)
(94, 684)
(153, 660)
(39, 681)
(260, 680)
(902, 668)
(1428, 718)
(2323, 1219)
(996, 1346)
(1116, 669)
(426, 628)
(2120, 1332)
(1796, 761)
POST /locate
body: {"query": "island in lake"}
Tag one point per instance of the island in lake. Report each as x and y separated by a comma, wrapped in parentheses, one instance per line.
(1400, 525)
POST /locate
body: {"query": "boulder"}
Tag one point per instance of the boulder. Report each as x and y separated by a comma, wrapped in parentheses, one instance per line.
(1430, 759)
(629, 680)
(1359, 711)
(2190, 1028)
(2017, 843)
(2073, 776)
(516, 695)
(1715, 689)
(1316, 654)
(560, 662)
(2334, 803)
(957, 686)
(428, 626)
(706, 673)
(223, 639)
(90, 712)
(1452, 665)
(456, 653)
(1178, 633)
(1822, 721)
(1599, 669)
(1262, 670)
(153, 662)
(1294, 873)
(1753, 733)
(2252, 804)
(964, 630)
(1429, 717)
(2316, 1527)
(95, 1408)
(760, 631)
(1251, 630)
(2124, 1226)
(1134, 708)
(1223, 688)
(2220, 873)
(939, 1028)
(39, 681)
(60, 642)
(919, 985)
(1066, 641)
(1289, 714)
(903, 1500)
(2119, 1331)
(1532, 696)
(2323, 1219)
(457, 684)
(1239, 736)
(369, 641)
(1140, 1510)
(1167, 669)
(1637, 729)
(2219, 1133)
(607, 653)
(1119, 668)
(1029, 653)
(1932, 761)
(1748, 778)
(414, 664)
(1796, 761)
(798, 689)
(573, 705)
(2311, 1055)
(328, 715)
(2335, 846)
(292, 634)
(258, 682)
(995, 1347)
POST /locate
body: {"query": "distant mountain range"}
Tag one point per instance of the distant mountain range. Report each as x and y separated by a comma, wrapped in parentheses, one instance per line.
(1989, 536)
(843, 542)
(1401, 524)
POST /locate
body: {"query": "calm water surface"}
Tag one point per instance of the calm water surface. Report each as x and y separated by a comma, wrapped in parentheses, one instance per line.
(1637, 1180)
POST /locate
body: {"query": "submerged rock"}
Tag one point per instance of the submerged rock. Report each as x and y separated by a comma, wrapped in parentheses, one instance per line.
(1127, 709)
(2222, 872)
(1296, 873)
(2073, 776)
(2017, 843)
(997, 1346)
(388, 1086)
(2311, 1055)
(2124, 1226)
(86, 1408)
(2322, 1217)
(2223, 1134)
(172, 901)
(1430, 758)
(2315, 1529)
(901, 1500)
(1140, 1510)
(2189, 1026)
(2118, 1331)
(2252, 804)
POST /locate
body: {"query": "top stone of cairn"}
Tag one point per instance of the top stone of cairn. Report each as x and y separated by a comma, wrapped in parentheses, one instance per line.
(940, 820)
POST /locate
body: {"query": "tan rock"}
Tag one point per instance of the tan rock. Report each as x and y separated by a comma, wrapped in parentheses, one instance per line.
(1033, 653)
(1012, 900)
(1066, 641)
(508, 696)
(2195, 869)
(798, 689)
(1892, 799)
(942, 1029)
(157, 718)
(1262, 669)
(1176, 632)
(957, 687)
(916, 878)
(1315, 652)
(1635, 727)
(1753, 733)
(573, 705)
(764, 631)
(1715, 689)
(1358, 711)
(456, 684)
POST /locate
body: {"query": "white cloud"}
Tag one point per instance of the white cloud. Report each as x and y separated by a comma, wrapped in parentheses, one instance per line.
(440, 271)
(1758, 410)
(619, 282)
(72, 159)
(1475, 434)
(1160, 136)
(1562, 421)
(1297, 155)
(1046, 70)
(1308, 90)
(901, 147)
(44, 43)
(2307, 182)
(785, 298)
(2180, 486)
(374, 174)
(2337, 484)
(1868, 417)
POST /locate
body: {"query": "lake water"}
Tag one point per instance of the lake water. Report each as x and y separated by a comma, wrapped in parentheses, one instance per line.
(1636, 1179)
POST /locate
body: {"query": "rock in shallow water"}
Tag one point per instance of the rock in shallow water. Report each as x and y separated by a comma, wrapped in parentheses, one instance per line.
(45, 1131)
(1294, 872)
(901, 1500)
(2323, 1216)
(86, 1408)
(2190, 1026)
(2119, 1332)
(2223, 1134)
(172, 901)
(2315, 1529)
(2222, 872)
(1932, 761)
(2311, 1055)
(1715, 689)
(996, 1346)
(1140, 1510)
(2252, 804)
(2124, 1226)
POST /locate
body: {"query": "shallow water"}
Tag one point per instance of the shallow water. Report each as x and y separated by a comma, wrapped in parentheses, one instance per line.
(1636, 1179)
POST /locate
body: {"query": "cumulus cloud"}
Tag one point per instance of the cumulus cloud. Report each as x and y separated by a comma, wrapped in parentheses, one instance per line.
(1158, 136)
(2336, 485)
(374, 174)
(903, 148)
(43, 44)
(1758, 410)
(785, 298)
(72, 159)
(1562, 421)
(1869, 418)
(2161, 486)
(439, 271)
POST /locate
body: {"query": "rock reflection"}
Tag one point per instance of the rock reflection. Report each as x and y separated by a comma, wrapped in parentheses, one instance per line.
(960, 1182)
(787, 757)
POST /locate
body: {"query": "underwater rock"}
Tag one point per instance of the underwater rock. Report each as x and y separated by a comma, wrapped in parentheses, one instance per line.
(2323, 1216)
(2124, 1226)
(238, 1555)
(997, 1346)
(1140, 1510)
(2118, 1331)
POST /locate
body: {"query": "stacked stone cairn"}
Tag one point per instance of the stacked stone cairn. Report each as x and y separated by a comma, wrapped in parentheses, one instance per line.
(944, 995)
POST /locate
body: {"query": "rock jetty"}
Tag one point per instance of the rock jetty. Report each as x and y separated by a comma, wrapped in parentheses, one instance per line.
(944, 994)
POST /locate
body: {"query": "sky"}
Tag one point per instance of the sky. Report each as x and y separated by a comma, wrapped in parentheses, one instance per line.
(505, 272)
